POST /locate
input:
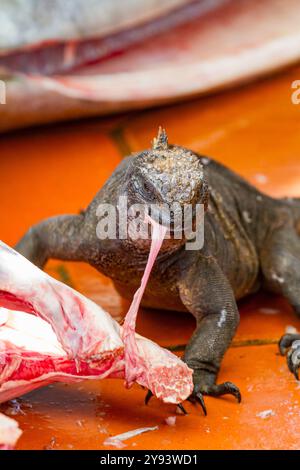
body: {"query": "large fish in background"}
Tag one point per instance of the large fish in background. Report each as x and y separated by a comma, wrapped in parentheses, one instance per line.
(63, 59)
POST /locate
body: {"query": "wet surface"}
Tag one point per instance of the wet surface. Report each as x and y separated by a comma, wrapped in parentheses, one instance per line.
(254, 130)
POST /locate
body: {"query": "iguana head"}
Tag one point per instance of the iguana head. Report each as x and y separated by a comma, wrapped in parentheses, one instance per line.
(169, 178)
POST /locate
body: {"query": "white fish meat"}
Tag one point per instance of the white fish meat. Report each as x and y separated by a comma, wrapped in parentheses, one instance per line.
(9, 432)
(54, 332)
(50, 333)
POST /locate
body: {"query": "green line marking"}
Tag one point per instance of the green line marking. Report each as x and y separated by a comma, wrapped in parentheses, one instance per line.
(234, 344)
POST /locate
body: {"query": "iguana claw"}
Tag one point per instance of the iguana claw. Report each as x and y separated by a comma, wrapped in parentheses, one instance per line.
(148, 397)
(198, 398)
(181, 407)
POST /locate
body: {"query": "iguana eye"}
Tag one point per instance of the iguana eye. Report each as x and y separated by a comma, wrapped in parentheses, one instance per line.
(147, 187)
(148, 190)
(143, 188)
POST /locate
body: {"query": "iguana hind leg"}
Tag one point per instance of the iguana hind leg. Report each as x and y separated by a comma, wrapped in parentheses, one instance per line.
(280, 262)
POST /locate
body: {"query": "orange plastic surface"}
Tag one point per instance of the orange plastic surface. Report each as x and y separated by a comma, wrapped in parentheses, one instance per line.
(254, 130)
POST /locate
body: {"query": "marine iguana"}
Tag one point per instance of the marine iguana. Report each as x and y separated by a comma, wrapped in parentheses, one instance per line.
(250, 241)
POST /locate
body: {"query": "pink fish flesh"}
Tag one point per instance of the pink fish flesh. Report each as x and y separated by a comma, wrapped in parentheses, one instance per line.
(49, 333)
(204, 46)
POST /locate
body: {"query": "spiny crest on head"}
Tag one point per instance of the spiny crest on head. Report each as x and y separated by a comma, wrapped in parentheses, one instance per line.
(161, 141)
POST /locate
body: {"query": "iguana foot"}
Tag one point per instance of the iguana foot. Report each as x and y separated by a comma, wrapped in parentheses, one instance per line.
(290, 345)
(226, 388)
(214, 390)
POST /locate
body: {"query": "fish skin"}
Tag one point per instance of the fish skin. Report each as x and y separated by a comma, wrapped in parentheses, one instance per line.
(61, 56)
(27, 22)
(214, 57)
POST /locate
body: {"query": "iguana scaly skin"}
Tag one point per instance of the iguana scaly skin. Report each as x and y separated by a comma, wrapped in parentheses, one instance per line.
(251, 241)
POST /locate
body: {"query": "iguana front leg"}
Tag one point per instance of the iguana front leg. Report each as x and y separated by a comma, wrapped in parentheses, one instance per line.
(206, 293)
(62, 237)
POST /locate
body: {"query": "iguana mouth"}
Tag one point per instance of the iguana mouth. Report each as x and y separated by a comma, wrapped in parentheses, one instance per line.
(177, 224)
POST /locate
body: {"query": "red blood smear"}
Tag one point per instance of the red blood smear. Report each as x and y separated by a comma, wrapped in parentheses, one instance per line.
(35, 365)
(11, 302)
